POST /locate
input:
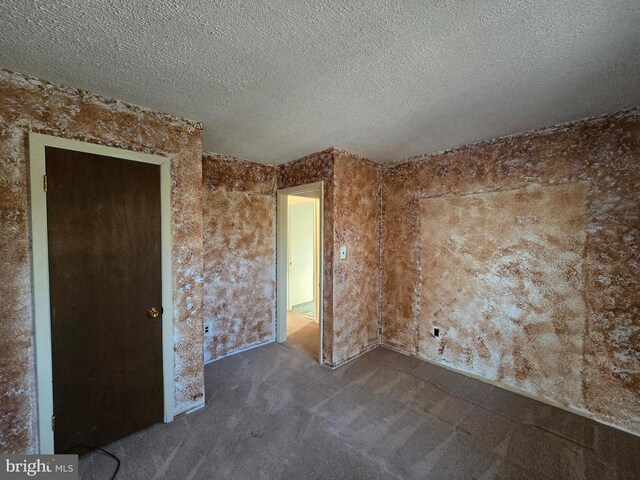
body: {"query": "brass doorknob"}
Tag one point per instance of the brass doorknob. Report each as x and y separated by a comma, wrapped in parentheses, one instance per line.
(153, 312)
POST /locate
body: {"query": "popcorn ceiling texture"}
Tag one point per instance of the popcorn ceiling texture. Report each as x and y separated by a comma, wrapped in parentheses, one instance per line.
(525, 252)
(274, 80)
(351, 286)
(239, 253)
(27, 104)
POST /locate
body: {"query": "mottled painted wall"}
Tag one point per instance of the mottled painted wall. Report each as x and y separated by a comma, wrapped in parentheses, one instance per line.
(351, 215)
(504, 281)
(27, 104)
(356, 280)
(318, 167)
(552, 218)
(535, 285)
(239, 253)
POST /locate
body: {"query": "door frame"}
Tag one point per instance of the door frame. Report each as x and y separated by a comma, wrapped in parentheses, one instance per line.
(41, 293)
(282, 249)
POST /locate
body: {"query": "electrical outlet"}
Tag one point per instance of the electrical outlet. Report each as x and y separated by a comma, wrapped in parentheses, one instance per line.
(436, 332)
(207, 328)
(343, 252)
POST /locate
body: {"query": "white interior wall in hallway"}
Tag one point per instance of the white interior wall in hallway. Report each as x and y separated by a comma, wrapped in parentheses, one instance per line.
(301, 250)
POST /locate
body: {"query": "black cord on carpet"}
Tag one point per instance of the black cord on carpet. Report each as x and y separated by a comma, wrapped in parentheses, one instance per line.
(99, 450)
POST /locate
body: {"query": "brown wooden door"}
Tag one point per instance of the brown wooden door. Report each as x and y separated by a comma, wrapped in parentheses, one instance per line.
(103, 223)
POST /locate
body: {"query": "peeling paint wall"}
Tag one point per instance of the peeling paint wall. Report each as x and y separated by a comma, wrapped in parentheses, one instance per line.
(28, 104)
(525, 251)
(351, 215)
(239, 253)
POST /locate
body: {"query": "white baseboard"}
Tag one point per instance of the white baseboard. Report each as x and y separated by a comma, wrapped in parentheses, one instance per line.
(366, 350)
(240, 350)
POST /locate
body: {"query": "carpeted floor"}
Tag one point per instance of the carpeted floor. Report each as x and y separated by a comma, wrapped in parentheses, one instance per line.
(273, 413)
(303, 334)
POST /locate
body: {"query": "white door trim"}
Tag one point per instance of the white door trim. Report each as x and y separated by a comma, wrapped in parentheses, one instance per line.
(282, 249)
(317, 263)
(42, 326)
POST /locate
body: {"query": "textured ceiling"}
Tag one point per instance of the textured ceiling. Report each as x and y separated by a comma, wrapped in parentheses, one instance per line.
(274, 80)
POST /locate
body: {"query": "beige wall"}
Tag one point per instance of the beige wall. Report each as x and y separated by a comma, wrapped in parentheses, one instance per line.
(351, 286)
(239, 202)
(524, 251)
(239, 253)
(356, 280)
(27, 104)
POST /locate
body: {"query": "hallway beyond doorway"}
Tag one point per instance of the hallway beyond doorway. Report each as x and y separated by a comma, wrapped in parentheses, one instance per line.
(302, 334)
(299, 269)
(307, 309)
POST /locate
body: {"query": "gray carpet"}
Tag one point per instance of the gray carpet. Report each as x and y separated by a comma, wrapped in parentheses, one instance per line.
(272, 412)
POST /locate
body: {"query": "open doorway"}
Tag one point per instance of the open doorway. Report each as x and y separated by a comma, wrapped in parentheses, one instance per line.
(300, 269)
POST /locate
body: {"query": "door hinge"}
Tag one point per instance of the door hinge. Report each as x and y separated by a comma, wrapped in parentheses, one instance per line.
(53, 423)
(46, 184)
